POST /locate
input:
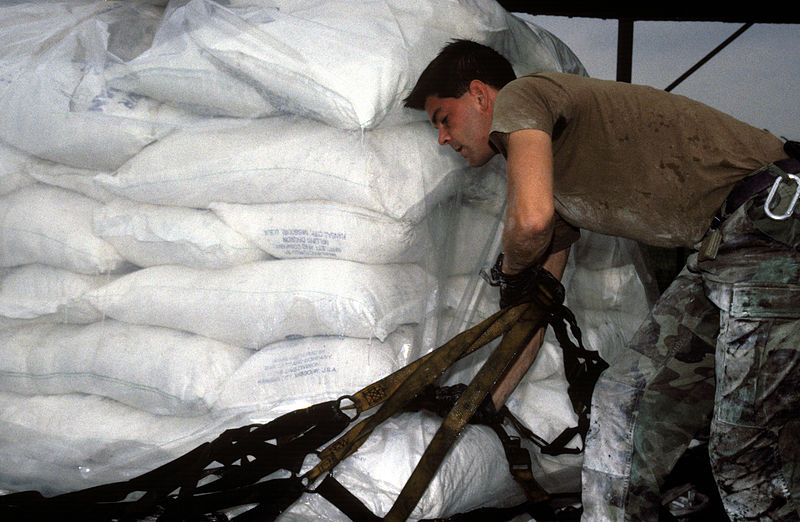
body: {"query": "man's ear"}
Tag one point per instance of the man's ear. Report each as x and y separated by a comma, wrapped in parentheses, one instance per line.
(481, 92)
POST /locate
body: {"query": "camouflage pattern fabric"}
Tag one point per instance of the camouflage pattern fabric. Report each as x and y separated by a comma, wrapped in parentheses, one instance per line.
(721, 348)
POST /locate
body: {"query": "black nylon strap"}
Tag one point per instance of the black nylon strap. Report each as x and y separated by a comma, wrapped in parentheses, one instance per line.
(757, 182)
(333, 491)
(792, 149)
(582, 366)
(534, 283)
(273, 501)
(246, 455)
(519, 465)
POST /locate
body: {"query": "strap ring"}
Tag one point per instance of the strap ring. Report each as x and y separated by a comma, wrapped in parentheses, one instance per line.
(354, 406)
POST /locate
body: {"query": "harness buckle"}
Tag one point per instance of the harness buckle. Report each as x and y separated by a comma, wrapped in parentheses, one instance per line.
(354, 405)
(790, 209)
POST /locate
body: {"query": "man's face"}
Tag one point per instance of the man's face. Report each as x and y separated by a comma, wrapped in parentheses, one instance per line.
(464, 124)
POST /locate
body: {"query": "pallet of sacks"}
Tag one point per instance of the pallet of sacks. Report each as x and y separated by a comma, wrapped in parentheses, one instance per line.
(215, 212)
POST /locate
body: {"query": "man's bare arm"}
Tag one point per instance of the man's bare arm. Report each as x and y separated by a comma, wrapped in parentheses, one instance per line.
(530, 210)
(528, 230)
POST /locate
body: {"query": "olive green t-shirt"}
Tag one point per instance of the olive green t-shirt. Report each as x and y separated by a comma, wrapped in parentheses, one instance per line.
(631, 160)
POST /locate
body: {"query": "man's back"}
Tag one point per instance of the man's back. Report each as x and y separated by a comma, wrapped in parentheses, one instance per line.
(631, 160)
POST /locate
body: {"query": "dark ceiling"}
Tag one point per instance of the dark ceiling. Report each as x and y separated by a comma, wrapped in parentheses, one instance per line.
(747, 13)
(756, 12)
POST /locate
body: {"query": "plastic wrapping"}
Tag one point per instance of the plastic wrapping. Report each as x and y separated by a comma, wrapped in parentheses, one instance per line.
(227, 215)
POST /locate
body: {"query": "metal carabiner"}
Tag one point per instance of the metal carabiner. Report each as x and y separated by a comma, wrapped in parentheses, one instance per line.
(774, 190)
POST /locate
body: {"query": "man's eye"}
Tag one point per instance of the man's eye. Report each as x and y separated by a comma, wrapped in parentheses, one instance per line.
(444, 121)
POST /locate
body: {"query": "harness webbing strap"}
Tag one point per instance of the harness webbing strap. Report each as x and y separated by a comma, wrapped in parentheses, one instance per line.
(513, 343)
(349, 504)
(459, 346)
(399, 388)
(519, 465)
(582, 368)
(271, 501)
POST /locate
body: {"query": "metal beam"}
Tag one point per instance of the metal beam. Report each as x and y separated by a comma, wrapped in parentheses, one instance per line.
(707, 57)
(742, 12)
(625, 51)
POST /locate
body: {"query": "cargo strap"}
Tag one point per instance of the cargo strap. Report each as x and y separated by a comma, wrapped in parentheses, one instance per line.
(511, 346)
(239, 466)
(582, 367)
(398, 389)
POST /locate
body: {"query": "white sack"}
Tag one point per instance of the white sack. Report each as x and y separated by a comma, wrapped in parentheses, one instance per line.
(286, 159)
(472, 233)
(297, 373)
(53, 226)
(48, 293)
(482, 299)
(70, 178)
(18, 169)
(69, 442)
(13, 180)
(602, 289)
(149, 235)
(314, 60)
(540, 400)
(175, 70)
(327, 229)
(159, 370)
(75, 180)
(484, 188)
(13, 173)
(474, 473)
(531, 48)
(54, 101)
(258, 303)
(60, 443)
(610, 289)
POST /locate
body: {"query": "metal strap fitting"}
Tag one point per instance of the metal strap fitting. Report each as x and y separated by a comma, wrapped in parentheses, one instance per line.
(774, 190)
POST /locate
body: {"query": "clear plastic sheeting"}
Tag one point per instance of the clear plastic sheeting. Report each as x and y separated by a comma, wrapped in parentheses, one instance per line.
(213, 213)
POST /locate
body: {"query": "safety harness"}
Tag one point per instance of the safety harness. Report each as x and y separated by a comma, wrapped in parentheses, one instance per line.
(260, 465)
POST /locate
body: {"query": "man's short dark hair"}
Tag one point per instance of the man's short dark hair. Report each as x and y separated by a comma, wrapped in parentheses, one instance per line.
(456, 65)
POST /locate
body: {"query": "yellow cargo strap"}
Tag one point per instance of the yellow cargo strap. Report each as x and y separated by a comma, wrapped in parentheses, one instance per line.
(398, 388)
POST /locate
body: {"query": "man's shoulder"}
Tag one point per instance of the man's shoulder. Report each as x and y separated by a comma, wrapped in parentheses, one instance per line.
(548, 81)
(533, 101)
(540, 76)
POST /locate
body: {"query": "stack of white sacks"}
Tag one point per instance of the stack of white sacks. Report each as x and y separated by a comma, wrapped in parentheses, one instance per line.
(212, 213)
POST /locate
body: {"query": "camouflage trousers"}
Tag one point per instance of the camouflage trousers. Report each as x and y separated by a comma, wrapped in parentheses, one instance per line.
(720, 351)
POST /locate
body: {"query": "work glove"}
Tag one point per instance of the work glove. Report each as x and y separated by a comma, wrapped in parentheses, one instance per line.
(532, 284)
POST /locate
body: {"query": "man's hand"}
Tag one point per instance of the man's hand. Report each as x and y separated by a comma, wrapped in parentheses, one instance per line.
(531, 283)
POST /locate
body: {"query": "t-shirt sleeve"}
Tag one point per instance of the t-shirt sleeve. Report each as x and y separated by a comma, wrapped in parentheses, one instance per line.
(529, 102)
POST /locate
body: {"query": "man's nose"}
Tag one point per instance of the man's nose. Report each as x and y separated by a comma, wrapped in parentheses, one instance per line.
(444, 137)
